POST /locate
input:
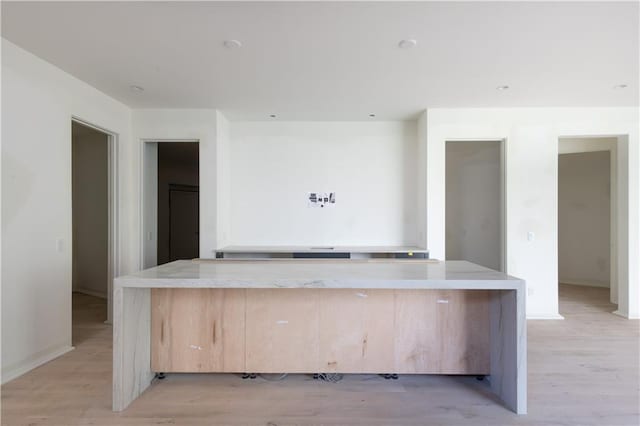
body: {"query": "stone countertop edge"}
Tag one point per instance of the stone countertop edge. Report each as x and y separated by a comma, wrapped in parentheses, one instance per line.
(186, 274)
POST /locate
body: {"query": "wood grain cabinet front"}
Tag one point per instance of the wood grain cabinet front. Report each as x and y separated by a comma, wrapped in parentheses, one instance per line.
(320, 330)
(198, 330)
(442, 332)
(282, 330)
(356, 331)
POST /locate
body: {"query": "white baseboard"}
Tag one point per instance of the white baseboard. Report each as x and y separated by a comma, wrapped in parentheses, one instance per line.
(545, 317)
(625, 315)
(89, 292)
(16, 370)
(599, 284)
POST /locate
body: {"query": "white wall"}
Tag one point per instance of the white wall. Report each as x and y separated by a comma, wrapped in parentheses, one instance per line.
(531, 136)
(223, 183)
(90, 196)
(421, 186)
(584, 204)
(474, 202)
(38, 102)
(371, 166)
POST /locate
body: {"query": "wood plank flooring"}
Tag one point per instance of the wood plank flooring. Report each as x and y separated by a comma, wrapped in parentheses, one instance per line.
(582, 371)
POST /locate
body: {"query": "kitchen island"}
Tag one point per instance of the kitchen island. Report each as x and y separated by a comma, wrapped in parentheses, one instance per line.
(386, 316)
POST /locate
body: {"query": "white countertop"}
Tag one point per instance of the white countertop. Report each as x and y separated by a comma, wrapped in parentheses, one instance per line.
(321, 249)
(322, 273)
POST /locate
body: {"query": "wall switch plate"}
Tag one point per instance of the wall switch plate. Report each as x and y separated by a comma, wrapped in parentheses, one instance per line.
(59, 245)
(531, 236)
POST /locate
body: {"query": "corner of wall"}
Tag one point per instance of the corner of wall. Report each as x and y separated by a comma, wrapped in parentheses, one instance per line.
(421, 135)
(223, 176)
(36, 360)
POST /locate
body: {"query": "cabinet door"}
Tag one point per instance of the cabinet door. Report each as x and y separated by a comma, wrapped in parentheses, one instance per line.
(282, 330)
(442, 331)
(356, 331)
(197, 330)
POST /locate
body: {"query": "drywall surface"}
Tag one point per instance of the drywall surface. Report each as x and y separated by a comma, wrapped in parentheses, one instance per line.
(531, 155)
(473, 202)
(90, 200)
(38, 102)
(370, 166)
(177, 165)
(223, 180)
(584, 197)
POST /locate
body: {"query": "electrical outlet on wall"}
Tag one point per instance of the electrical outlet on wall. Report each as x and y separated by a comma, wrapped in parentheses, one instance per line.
(321, 199)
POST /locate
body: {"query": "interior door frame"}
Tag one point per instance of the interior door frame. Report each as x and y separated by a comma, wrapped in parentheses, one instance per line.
(149, 198)
(618, 209)
(503, 193)
(113, 252)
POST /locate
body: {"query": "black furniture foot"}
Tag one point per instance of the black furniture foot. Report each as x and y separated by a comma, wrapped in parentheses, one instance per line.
(479, 378)
(160, 376)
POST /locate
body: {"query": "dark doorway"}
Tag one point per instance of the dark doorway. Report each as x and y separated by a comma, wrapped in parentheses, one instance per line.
(178, 201)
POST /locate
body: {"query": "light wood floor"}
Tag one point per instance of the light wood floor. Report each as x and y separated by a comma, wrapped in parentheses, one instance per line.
(582, 371)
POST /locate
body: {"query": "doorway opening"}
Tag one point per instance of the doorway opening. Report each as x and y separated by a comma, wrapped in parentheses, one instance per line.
(171, 200)
(475, 219)
(93, 165)
(587, 219)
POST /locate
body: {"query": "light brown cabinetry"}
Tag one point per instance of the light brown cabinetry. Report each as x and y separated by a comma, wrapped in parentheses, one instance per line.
(197, 330)
(442, 331)
(356, 331)
(282, 330)
(320, 330)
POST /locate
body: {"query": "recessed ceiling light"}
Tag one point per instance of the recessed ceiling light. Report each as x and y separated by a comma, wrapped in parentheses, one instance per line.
(135, 88)
(372, 115)
(272, 115)
(232, 44)
(620, 86)
(407, 43)
(504, 87)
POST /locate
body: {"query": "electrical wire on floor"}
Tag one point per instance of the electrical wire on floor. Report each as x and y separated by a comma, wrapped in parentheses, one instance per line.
(328, 377)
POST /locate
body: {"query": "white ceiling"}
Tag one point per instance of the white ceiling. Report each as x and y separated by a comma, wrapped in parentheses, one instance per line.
(320, 60)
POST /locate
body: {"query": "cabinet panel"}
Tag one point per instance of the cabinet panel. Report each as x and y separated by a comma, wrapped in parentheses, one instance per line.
(442, 331)
(282, 330)
(197, 330)
(415, 331)
(356, 331)
(320, 330)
